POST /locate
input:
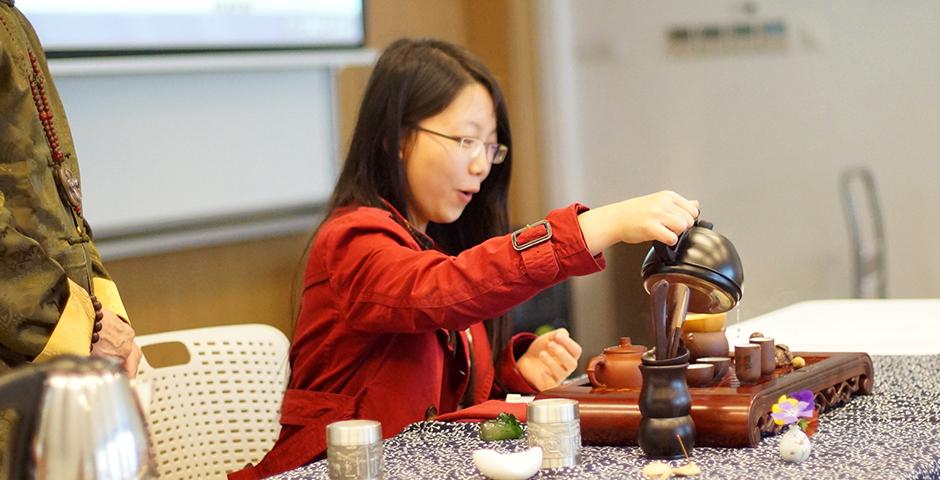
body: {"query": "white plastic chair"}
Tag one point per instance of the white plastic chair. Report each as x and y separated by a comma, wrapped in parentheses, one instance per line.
(220, 410)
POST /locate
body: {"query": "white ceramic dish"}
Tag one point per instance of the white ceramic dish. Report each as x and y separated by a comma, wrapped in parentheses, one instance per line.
(508, 466)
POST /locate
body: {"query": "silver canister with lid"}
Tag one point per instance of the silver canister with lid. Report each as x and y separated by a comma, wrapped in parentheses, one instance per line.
(555, 426)
(354, 450)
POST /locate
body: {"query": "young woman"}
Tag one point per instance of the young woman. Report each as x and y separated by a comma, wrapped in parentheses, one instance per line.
(413, 269)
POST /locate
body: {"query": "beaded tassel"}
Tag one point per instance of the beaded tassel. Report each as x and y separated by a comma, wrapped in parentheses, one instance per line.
(99, 315)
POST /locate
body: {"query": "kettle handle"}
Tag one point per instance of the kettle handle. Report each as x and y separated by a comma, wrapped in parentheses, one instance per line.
(668, 253)
(20, 391)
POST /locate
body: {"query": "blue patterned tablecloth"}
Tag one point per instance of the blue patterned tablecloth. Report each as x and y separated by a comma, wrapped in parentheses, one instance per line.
(892, 434)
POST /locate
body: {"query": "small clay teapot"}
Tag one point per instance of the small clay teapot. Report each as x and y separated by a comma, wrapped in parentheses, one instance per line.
(618, 366)
(706, 344)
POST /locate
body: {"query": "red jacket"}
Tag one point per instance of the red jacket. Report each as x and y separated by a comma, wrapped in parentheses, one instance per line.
(372, 338)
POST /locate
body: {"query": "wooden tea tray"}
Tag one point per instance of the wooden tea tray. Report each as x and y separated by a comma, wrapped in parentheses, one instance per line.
(726, 414)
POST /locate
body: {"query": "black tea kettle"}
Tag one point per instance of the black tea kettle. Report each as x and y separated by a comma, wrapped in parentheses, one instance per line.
(702, 259)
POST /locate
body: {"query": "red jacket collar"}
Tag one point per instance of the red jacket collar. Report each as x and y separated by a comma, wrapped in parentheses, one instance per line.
(423, 239)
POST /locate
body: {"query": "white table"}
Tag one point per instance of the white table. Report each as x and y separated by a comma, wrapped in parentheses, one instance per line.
(878, 327)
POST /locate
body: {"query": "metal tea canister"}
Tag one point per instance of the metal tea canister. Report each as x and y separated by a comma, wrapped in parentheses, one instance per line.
(354, 450)
(555, 426)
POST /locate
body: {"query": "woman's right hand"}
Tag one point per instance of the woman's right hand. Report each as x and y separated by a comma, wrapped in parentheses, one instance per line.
(659, 216)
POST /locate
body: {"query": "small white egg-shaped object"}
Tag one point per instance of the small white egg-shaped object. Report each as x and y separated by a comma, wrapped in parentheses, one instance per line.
(508, 466)
(794, 445)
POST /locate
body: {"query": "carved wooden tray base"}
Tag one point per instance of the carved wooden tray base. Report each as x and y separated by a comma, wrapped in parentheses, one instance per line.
(726, 414)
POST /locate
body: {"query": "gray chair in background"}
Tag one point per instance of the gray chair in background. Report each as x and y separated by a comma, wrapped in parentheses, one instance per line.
(866, 232)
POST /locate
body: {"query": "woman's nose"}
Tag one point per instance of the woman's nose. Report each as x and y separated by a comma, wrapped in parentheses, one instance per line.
(480, 165)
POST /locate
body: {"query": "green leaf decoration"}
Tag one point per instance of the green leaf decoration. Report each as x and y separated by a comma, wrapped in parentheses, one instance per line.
(504, 427)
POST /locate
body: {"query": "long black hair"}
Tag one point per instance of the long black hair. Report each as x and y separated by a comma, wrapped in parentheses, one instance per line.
(414, 80)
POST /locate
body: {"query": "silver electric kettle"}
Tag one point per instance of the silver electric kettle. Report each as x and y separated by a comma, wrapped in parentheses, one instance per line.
(76, 419)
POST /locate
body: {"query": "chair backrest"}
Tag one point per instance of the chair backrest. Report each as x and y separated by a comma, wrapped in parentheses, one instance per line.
(220, 410)
(866, 232)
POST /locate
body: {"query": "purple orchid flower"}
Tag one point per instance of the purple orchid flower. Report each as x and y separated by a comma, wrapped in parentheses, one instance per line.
(793, 408)
(804, 396)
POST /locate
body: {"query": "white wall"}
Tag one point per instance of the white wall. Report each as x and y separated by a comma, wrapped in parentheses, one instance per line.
(178, 151)
(758, 138)
(162, 147)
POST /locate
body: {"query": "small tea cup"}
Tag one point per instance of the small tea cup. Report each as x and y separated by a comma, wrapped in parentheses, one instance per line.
(768, 355)
(721, 365)
(699, 374)
(747, 362)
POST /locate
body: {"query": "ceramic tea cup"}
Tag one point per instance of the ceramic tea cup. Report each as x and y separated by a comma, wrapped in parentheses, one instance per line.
(768, 356)
(706, 344)
(699, 374)
(721, 365)
(747, 362)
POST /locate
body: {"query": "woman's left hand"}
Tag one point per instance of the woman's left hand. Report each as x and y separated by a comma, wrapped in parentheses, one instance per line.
(549, 359)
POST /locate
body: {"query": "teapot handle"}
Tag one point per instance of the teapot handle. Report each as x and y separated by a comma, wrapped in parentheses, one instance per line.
(21, 391)
(668, 253)
(597, 361)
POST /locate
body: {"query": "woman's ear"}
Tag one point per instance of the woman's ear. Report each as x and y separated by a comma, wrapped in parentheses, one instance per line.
(402, 144)
(406, 139)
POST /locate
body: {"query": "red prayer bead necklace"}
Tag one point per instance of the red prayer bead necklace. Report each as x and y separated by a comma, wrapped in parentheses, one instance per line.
(68, 182)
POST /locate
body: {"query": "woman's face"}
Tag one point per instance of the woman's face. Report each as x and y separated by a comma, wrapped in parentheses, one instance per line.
(441, 179)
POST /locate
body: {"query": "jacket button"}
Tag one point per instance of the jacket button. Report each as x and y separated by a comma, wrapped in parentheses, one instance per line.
(431, 413)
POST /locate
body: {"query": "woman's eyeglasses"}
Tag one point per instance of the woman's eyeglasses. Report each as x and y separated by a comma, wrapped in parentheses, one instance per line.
(495, 152)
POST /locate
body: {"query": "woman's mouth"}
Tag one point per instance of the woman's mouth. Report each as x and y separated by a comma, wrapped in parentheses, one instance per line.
(465, 196)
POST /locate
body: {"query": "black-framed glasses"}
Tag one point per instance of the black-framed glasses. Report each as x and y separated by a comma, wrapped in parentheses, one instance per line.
(472, 147)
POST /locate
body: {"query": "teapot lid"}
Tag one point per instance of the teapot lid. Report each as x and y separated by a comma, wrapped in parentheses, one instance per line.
(625, 347)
